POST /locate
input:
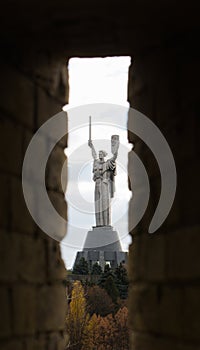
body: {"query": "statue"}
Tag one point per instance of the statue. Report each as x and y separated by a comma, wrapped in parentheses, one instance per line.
(104, 173)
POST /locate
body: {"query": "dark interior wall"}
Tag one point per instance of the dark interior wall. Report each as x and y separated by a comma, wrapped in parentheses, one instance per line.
(164, 269)
(33, 301)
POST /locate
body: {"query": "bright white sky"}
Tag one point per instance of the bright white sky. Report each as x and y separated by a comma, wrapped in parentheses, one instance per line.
(92, 80)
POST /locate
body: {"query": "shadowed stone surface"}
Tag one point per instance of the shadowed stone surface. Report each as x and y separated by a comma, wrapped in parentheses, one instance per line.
(162, 37)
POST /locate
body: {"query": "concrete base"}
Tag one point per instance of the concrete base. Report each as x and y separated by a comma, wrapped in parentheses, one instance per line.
(102, 245)
(102, 238)
(102, 258)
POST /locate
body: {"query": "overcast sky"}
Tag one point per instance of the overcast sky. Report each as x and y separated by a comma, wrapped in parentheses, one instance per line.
(95, 80)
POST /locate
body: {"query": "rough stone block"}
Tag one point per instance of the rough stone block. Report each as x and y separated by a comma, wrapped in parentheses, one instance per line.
(57, 341)
(4, 201)
(183, 248)
(21, 220)
(156, 309)
(52, 75)
(189, 189)
(191, 313)
(137, 259)
(156, 257)
(51, 309)
(10, 146)
(133, 265)
(143, 308)
(170, 309)
(51, 213)
(17, 95)
(36, 162)
(38, 342)
(56, 267)
(58, 228)
(47, 106)
(12, 345)
(32, 255)
(9, 253)
(140, 341)
(27, 136)
(24, 309)
(56, 170)
(5, 319)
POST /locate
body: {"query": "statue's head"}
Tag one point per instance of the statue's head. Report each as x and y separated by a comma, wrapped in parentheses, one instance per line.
(102, 154)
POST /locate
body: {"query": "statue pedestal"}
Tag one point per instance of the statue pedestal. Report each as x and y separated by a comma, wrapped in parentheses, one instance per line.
(102, 238)
(102, 245)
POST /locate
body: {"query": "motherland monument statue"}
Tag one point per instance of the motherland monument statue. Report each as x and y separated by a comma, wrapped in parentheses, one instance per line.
(104, 172)
(102, 244)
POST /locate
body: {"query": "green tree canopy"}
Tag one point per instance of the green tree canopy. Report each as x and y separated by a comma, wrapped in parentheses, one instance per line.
(121, 280)
(96, 269)
(81, 267)
(111, 288)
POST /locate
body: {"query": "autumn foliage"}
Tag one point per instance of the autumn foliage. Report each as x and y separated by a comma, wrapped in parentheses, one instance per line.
(91, 331)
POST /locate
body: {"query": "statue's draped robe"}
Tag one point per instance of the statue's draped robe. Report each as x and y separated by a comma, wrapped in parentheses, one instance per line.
(104, 172)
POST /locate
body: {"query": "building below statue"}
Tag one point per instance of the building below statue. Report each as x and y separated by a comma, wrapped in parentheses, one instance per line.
(102, 245)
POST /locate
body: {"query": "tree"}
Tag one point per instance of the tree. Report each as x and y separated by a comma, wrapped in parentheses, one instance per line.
(121, 326)
(106, 333)
(107, 272)
(121, 280)
(111, 288)
(107, 268)
(99, 302)
(77, 317)
(96, 269)
(91, 334)
(81, 267)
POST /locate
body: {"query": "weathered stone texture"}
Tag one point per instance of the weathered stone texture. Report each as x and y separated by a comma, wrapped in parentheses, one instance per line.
(164, 266)
(141, 341)
(183, 254)
(4, 201)
(164, 85)
(54, 169)
(32, 295)
(10, 146)
(57, 341)
(9, 252)
(55, 269)
(37, 342)
(29, 249)
(17, 95)
(5, 319)
(12, 344)
(24, 309)
(51, 299)
(19, 209)
(47, 106)
(191, 313)
(18, 258)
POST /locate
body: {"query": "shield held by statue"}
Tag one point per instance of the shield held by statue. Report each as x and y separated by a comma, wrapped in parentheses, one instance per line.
(114, 143)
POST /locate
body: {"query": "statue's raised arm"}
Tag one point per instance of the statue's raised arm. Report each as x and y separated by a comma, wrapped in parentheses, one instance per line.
(94, 153)
(90, 144)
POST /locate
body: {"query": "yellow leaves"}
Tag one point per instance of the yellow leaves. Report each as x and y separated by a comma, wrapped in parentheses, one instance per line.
(121, 317)
(95, 332)
(77, 318)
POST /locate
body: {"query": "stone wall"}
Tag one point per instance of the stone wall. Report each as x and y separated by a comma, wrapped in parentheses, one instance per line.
(32, 295)
(164, 268)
